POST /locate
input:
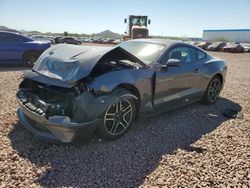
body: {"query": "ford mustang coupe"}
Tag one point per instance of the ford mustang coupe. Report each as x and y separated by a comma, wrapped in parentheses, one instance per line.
(76, 91)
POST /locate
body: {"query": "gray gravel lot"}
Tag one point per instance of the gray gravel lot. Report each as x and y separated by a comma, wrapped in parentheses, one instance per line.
(194, 146)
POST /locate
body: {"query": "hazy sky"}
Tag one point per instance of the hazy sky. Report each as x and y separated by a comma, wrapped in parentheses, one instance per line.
(168, 17)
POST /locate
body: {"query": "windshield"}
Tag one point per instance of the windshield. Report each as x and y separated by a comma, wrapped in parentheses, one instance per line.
(139, 21)
(145, 51)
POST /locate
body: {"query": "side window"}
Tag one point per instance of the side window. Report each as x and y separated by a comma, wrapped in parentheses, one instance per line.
(201, 55)
(9, 38)
(25, 39)
(183, 53)
(2, 37)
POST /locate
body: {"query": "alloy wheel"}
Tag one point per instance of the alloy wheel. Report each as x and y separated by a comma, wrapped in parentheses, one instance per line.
(214, 90)
(31, 59)
(118, 117)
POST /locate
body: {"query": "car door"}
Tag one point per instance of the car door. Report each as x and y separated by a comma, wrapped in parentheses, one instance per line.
(11, 47)
(177, 85)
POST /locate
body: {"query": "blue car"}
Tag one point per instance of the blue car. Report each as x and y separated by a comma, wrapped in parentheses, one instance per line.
(16, 48)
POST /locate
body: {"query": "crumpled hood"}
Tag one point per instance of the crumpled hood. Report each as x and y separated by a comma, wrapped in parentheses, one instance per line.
(69, 63)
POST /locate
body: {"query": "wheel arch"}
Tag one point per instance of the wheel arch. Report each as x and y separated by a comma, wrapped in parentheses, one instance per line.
(133, 90)
(220, 76)
(30, 50)
(38, 52)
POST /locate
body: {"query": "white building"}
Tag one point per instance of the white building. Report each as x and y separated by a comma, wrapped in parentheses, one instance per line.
(233, 35)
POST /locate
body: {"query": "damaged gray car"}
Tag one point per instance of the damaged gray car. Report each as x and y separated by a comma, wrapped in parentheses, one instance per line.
(75, 91)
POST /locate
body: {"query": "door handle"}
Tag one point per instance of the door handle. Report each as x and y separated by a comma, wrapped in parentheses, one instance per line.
(196, 70)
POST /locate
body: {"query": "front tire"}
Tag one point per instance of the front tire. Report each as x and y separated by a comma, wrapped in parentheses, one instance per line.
(213, 90)
(29, 58)
(118, 117)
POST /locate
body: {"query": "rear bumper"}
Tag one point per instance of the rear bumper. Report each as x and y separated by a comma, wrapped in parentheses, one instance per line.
(56, 128)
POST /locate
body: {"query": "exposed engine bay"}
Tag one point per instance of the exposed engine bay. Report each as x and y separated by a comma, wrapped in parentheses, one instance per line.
(107, 66)
(76, 102)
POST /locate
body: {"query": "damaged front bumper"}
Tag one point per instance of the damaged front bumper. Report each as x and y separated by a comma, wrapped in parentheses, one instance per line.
(55, 128)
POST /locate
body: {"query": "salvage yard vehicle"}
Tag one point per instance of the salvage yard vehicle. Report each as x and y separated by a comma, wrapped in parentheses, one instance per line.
(203, 45)
(56, 39)
(16, 48)
(233, 47)
(74, 91)
(70, 40)
(217, 46)
(246, 47)
(43, 38)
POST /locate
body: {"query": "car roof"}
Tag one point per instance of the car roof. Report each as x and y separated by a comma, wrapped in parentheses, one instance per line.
(9, 32)
(168, 43)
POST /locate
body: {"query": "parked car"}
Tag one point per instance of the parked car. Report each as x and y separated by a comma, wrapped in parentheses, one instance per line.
(16, 48)
(82, 39)
(70, 40)
(117, 41)
(192, 42)
(98, 40)
(246, 47)
(56, 39)
(108, 41)
(91, 40)
(233, 47)
(217, 46)
(75, 91)
(42, 38)
(203, 45)
(51, 38)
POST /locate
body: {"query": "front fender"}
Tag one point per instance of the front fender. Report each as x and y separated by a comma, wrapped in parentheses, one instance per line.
(107, 82)
(141, 79)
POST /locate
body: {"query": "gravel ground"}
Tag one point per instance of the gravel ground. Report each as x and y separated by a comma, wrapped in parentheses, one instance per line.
(194, 146)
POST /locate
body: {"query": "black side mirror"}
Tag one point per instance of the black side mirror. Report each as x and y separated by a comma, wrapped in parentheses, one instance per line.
(125, 21)
(149, 22)
(173, 63)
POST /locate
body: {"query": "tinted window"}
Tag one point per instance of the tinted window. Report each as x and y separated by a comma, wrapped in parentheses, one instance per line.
(26, 39)
(2, 37)
(9, 38)
(201, 55)
(183, 53)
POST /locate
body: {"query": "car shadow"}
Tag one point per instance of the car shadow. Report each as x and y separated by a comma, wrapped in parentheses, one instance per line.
(127, 161)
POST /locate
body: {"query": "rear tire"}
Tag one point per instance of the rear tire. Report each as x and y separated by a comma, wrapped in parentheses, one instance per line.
(213, 90)
(118, 117)
(29, 58)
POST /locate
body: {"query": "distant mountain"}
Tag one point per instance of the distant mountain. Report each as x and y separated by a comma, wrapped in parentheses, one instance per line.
(104, 34)
(35, 32)
(4, 28)
(24, 31)
(107, 34)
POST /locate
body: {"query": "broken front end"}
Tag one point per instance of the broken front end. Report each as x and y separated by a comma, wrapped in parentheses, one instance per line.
(60, 114)
(56, 99)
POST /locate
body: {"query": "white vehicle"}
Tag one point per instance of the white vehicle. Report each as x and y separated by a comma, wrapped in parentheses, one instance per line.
(246, 47)
(42, 38)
